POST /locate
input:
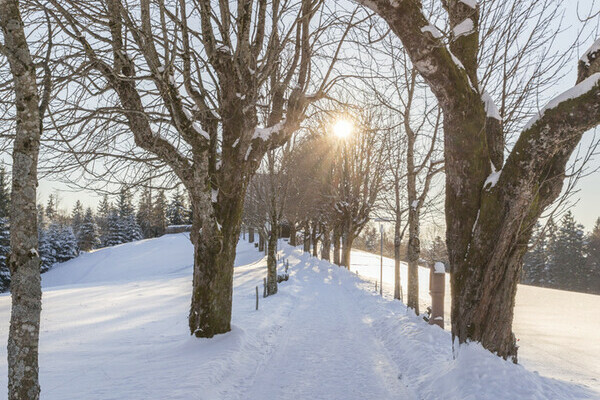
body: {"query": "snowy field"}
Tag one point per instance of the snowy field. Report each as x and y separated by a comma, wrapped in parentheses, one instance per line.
(114, 326)
(558, 331)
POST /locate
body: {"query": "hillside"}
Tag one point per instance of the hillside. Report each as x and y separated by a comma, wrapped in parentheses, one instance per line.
(114, 326)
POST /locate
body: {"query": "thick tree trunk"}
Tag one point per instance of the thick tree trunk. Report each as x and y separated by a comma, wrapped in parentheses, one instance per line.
(413, 254)
(24, 261)
(397, 242)
(306, 237)
(272, 260)
(293, 235)
(251, 235)
(347, 240)
(336, 246)
(326, 249)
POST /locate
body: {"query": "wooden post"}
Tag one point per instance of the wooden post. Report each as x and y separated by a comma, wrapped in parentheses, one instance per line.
(257, 298)
(375, 286)
(264, 287)
(437, 286)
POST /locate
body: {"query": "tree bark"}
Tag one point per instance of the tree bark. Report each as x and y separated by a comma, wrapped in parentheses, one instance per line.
(293, 235)
(24, 261)
(261, 240)
(336, 246)
(347, 240)
(314, 239)
(397, 243)
(272, 260)
(326, 249)
(251, 235)
(306, 233)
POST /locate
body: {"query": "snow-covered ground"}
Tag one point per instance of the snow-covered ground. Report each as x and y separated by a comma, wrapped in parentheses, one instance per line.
(558, 331)
(114, 326)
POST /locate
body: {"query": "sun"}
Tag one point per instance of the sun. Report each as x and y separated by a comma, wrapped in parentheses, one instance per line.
(343, 128)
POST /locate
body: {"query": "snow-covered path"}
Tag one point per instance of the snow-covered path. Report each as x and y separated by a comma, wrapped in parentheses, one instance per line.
(114, 327)
(328, 347)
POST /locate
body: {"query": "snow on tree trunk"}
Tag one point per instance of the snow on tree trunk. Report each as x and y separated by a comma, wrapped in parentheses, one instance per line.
(24, 261)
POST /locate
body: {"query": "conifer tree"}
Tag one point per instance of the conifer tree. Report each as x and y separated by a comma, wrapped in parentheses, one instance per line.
(47, 247)
(144, 214)
(77, 217)
(536, 260)
(65, 247)
(159, 214)
(177, 213)
(104, 209)
(125, 203)
(568, 259)
(593, 260)
(88, 233)
(131, 229)
(4, 231)
(51, 208)
(115, 233)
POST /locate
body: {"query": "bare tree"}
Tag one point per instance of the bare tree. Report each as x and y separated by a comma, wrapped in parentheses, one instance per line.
(491, 205)
(244, 65)
(24, 260)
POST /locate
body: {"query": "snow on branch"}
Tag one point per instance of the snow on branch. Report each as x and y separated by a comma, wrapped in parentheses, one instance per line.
(490, 107)
(576, 91)
(266, 133)
(464, 28)
(469, 3)
(591, 54)
(435, 32)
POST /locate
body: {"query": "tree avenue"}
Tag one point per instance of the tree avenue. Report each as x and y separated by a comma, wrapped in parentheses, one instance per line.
(492, 204)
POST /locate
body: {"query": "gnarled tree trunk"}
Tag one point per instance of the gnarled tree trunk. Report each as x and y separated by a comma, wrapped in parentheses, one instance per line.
(272, 259)
(336, 246)
(24, 261)
(326, 249)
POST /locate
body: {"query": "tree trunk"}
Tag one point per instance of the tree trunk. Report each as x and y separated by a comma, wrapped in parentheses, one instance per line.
(24, 261)
(314, 239)
(272, 260)
(251, 235)
(413, 252)
(326, 249)
(336, 246)
(293, 235)
(397, 242)
(306, 234)
(347, 240)
(261, 240)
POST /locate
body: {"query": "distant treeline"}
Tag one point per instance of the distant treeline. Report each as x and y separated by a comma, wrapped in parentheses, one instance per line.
(63, 235)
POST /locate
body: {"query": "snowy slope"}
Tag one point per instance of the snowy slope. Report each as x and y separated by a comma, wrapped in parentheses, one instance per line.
(558, 331)
(114, 326)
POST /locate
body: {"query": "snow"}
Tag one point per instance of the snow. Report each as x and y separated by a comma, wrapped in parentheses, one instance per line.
(236, 142)
(578, 90)
(470, 3)
(490, 107)
(114, 326)
(433, 30)
(439, 268)
(557, 331)
(214, 195)
(464, 28)
(414, 204)
(200, 131)
(265, 133)
(591, 52)
(492, 179)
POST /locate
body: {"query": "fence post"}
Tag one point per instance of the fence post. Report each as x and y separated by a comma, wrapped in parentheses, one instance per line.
(437, 286)
(264, 287)
(257, 297)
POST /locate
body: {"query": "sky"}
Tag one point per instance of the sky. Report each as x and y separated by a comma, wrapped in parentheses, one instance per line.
(586, 200)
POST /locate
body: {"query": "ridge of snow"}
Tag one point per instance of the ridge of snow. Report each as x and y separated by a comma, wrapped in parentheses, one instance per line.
(578, 90)
(200, 131)
(464, 28)
(490, 107)
(439, 268)
(593, 50)
(435, 32)
(470, 3)
(265, 133)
